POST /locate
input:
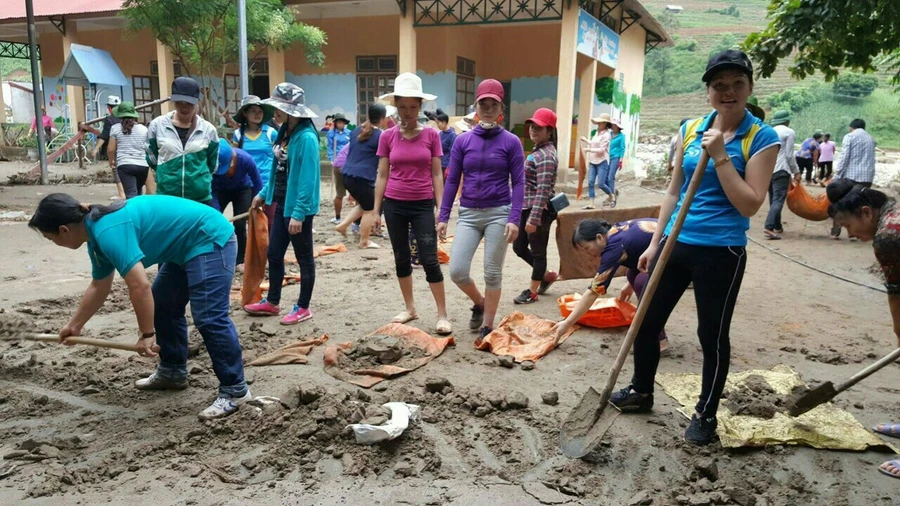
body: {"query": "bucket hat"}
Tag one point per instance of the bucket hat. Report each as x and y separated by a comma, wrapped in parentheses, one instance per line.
(340, 117)
(603, 118)
(268, 110)
(291, 99)
(406, 85)
(125, 110)
(543, 117)
(185, 89)
(755, 109)
(780, 117)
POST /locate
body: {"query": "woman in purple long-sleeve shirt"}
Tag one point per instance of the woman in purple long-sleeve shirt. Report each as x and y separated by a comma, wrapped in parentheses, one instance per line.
(492, 160)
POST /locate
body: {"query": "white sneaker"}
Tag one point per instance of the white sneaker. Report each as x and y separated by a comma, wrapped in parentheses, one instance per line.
(335, 221)
(222, 407)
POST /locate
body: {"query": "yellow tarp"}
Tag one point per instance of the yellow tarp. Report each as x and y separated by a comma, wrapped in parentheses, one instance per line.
(825, 427)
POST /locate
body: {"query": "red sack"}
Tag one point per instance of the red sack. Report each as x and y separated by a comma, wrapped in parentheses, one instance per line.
(604, 313)
(804, 205)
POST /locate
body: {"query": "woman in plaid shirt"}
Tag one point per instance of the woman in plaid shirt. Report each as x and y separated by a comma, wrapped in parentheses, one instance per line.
(537, 214)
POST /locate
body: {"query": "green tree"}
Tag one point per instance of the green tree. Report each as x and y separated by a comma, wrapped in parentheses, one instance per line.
(203, 36)
(619, 98)
(853, 84)
(634, 104)
(604, 90)
(828, 35)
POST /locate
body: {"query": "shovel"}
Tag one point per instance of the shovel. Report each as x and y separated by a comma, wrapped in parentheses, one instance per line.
(588, 422)
(827, 391)
(53, 338)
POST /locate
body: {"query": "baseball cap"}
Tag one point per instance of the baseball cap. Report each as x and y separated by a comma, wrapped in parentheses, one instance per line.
(113, 100)
(728, 59)
(225, 153)
(185, 89)
(543, 117)
(489, 88)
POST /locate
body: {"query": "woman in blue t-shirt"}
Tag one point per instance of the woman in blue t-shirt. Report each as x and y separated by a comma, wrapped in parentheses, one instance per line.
(195, 248)
(358, 174)
(257, 138)
(711, 249)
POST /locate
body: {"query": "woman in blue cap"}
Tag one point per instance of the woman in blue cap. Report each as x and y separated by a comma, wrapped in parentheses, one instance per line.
(236, 181)
(195, 248)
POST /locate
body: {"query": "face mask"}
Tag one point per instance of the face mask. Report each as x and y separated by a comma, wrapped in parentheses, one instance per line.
(487, 126)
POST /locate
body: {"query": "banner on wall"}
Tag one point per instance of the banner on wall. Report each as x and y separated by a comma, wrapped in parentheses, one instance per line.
(597, 40)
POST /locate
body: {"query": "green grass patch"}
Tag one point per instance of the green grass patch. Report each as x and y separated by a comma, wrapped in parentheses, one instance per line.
(881, 111)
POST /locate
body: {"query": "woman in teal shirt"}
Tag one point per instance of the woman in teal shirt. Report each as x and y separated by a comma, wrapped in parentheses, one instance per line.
(195, 248)
(256, 137)
(616, 154)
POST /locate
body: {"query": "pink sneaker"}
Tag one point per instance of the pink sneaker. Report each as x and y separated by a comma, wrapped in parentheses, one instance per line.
(263, 308)
(296, 316)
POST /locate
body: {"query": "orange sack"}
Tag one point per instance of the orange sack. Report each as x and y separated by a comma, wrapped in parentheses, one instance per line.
(804, 205)
(524, 337)
(604, 313)
(255, 257)
(294, 353)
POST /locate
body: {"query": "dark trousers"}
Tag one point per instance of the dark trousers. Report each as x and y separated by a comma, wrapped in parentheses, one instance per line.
(240, 203)
(716, 272)
(400, 216)
(825, 170)
(205, 283)
(279, 239)
(638, 280)
(533, 247)
(778, 189)
(806, 166)
(835, 229)
(133, 179)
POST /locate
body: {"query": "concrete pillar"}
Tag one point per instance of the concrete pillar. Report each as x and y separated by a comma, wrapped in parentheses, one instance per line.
(407, 54)
(74, 94)
(2, 111)
(565, 91)
(166, 65)
(277, 74)
(585, 102)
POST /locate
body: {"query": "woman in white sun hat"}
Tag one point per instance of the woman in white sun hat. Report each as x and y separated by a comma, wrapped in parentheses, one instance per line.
(598, 157)
(408, 188)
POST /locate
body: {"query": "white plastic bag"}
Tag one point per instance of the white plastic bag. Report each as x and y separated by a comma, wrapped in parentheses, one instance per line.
(401, 413)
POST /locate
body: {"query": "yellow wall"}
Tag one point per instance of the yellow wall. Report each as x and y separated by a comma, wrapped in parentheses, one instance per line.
(631, 58)
(347, 39)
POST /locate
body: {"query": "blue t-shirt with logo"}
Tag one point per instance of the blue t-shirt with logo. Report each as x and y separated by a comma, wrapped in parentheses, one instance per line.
(260, 149)
(712, 219)
(154, 229)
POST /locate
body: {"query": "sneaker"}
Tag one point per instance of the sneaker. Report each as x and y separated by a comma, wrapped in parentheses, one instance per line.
(701, 431)
(154, 382)
(627, 400)
(262, 308)
(297, 315)
(483, 332)
(354, 229)
(335, 221)
(548, 280)
(222, 407)
(477, 316)
(526, 297)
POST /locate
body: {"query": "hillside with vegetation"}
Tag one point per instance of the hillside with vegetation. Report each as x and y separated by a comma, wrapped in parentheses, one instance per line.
(672, 87)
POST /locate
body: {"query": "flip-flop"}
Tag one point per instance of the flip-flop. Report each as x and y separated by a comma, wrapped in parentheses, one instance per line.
(443, 327)
(888, 429)
(894, 463)
(588, 207)
(404, 317)
(370, 245)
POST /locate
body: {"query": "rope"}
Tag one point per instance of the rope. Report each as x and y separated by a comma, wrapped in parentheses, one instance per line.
(800, 262)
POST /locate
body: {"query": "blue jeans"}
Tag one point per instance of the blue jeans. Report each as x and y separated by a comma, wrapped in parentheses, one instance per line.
(205, 282)
(595, 177)
(609, 185)
(279, 239)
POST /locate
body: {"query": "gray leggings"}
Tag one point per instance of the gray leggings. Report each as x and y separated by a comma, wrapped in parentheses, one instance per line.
(471, 227)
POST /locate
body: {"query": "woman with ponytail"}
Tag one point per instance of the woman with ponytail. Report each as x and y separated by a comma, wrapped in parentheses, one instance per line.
(126, 154)
(869, 215)
(359, 173)
(257, 138)
(195, 248)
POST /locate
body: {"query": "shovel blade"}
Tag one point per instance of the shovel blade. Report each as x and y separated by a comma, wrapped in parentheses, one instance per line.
(586, 425)
(809, 400)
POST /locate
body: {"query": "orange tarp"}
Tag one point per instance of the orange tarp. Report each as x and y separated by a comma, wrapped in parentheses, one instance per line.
(255, 257)
(804, 205)
(366, 378)
(322, 251)
(291, 354)
(604, 312)
(524, 337)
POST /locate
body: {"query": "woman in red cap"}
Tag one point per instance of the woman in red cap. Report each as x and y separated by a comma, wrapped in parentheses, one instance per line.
(492, 160)
(537, 213)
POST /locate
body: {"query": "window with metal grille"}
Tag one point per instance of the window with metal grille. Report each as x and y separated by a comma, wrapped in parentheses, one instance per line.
(374, 77)
(465, 85)
(145, 92)
(232, 96)
(154, 68)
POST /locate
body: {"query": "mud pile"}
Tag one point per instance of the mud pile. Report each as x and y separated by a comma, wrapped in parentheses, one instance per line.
(754, 397)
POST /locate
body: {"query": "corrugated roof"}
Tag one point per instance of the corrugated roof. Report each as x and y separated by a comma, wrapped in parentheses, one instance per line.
(12, 10)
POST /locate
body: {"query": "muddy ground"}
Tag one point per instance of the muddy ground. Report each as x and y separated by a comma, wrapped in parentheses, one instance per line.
(77, 432)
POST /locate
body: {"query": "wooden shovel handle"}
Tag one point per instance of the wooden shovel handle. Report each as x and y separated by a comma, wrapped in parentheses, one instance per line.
(239, 217)
(654, 278)
(100, 343)
(868, 371)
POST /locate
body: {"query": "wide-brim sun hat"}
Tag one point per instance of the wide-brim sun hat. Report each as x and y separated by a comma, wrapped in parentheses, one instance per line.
(602, 118)
(616, 122)
(291, 100)
(125, 110)
(249, 100)
(406, 85)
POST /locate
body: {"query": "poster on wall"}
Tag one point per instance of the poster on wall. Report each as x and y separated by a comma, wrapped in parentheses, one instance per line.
(597, 40)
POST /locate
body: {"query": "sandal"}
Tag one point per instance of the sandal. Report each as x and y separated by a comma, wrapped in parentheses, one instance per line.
(404, 317)
(443, 327)
(588, 207)
(888, 429)
(772, 235)
(884, 468)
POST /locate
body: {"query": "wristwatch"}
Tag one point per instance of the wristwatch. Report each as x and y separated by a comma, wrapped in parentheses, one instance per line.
(148, 335)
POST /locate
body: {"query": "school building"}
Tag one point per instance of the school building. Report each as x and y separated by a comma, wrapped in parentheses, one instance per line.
(578, 57)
